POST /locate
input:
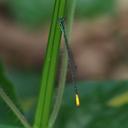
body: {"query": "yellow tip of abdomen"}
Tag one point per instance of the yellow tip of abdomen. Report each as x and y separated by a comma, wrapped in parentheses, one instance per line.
(77, 100)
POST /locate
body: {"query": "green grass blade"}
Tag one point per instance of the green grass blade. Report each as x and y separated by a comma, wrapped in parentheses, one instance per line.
(49, 70)
(14, 109)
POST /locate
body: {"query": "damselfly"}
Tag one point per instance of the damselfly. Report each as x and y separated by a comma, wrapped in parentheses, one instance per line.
(72, 65)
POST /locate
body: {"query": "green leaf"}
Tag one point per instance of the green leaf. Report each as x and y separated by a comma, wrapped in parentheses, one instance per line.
(27, 88)
(6, 84)
(6, 115)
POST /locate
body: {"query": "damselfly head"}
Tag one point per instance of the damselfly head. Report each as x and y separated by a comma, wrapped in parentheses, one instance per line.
(61, 20)
(61, 23)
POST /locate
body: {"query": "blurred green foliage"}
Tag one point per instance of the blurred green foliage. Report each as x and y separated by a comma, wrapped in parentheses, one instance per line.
(31, 12)
(27, 85)
(6, 115)
(34, 13)
(95, 110)
(94, 8)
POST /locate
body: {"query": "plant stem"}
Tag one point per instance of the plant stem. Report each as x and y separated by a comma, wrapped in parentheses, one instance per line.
(71, 6)
(49, 69)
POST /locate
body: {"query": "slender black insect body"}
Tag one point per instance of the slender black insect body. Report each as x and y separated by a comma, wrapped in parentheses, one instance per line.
(71, 61)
